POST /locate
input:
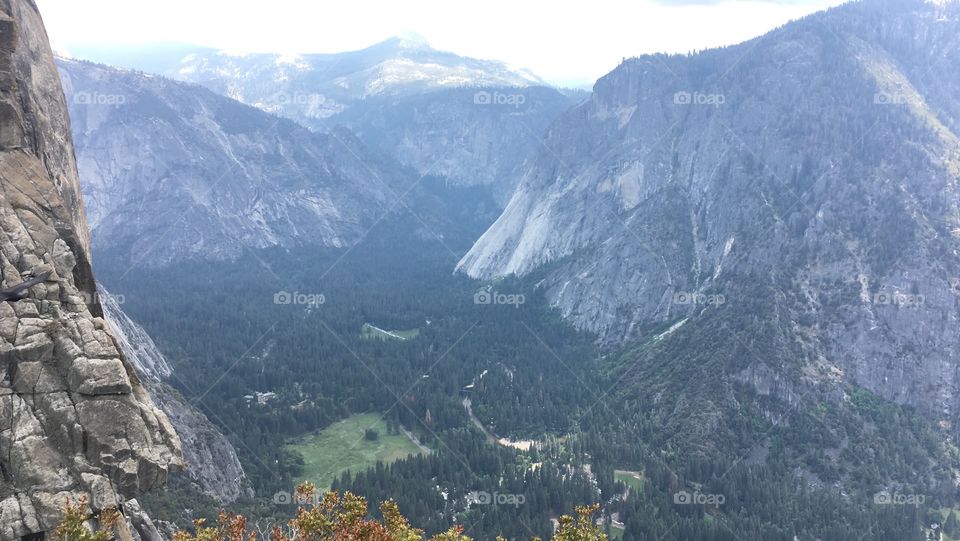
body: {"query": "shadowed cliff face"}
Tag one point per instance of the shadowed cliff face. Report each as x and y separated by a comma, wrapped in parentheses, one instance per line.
(805, 182)
(75, 419)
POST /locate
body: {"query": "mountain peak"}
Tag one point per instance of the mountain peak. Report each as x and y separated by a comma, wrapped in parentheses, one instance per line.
(411, 40)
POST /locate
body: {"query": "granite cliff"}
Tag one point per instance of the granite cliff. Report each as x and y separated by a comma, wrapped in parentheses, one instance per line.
(802, 185)
(76, 421)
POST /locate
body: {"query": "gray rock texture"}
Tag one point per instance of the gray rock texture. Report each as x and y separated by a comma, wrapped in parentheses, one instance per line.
(74, 419)
(468, 136)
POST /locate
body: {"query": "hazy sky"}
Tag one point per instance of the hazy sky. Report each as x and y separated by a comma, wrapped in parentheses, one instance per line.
(563, 42)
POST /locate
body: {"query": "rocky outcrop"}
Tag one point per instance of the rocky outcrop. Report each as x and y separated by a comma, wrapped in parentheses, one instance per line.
(810, 175)
(75, 419)
(211, 460)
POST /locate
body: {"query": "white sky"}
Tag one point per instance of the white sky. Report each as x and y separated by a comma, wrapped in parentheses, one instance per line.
(564, 42)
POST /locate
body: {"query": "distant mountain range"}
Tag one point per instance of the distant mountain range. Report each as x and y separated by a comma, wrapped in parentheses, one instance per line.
(468, 120)
(399, 65)
(172, 170)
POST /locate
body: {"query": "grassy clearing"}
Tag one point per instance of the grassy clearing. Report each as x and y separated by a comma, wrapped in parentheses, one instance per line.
(633, 480)
(342, 446)
(371, 332)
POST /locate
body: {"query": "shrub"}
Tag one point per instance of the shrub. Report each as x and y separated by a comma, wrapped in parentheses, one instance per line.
(72, 527)
(330, 518)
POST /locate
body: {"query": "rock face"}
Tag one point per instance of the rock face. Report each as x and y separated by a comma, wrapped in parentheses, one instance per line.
(211, 460)
(810, 175)
(75, 419)
(468, 136)
(207, 177)
(151, 366)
